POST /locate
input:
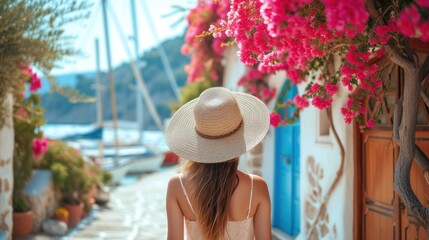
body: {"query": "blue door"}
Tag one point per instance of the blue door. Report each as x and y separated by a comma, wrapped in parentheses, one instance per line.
(286, 207)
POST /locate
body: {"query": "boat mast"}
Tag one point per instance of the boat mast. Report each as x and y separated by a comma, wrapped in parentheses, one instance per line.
(161, 51)
(110, 74)
(139, 97)
(99, 84)
(137, 74)
(99, 97)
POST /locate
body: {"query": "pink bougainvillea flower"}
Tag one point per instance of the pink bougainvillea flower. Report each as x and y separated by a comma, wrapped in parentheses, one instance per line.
(22, 113)
(407, 20)
(332, 89)
(268, 93)
(35, 83)
(370, 123)
(184, 49)
(300, 102)
(423, 3)
(424, 29)
(40, 146)
(275, 119)
(314, 88)
(321, 103)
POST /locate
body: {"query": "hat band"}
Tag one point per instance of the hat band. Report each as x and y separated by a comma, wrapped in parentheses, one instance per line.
(219, 136)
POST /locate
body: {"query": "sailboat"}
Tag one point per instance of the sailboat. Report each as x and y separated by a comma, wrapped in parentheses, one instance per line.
(119, 159)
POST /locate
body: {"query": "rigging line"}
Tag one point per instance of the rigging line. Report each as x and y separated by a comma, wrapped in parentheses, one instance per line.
(91, 20)
(161, 51)
(136, 72)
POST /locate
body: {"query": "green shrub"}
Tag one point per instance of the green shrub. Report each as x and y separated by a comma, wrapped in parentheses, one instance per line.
(27, 128)
(72, 176)
(191, 91)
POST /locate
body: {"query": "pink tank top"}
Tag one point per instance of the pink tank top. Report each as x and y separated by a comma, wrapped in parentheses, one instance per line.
(234, 229)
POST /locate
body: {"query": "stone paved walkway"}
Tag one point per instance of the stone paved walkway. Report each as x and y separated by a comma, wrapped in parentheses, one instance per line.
(136, 211)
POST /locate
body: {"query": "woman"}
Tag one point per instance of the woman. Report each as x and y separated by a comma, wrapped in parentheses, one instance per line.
(217, 200)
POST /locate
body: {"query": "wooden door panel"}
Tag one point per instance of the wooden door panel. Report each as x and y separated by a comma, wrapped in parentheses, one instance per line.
(379, 225)
(410, 228)
(380, 218)
(379, 164)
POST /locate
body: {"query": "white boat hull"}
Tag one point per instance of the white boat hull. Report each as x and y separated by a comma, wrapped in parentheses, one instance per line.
(146, 164)
(118, 173)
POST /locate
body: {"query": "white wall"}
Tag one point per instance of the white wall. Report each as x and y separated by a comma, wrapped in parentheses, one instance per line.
(6, 170)
(327, 154)
(233, 69)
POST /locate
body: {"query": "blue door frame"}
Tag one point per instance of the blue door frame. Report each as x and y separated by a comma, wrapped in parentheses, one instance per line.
(286, 214)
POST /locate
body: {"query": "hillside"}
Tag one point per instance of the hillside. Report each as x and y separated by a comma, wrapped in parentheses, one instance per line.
(60, 110)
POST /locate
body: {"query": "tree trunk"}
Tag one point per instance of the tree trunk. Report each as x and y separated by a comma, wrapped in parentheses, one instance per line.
(406, 143)
(6, 169)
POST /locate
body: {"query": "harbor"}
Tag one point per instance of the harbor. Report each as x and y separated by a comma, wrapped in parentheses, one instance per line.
(325, 104)
(136, 153)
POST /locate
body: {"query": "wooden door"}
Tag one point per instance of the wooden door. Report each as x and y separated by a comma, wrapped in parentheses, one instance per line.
(380, 218)
(380, 213)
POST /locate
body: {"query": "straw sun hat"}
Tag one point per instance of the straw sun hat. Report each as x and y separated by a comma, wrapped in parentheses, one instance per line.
(217, 126)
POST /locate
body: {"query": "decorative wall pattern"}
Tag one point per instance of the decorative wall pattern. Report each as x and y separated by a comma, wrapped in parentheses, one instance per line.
(314, 204)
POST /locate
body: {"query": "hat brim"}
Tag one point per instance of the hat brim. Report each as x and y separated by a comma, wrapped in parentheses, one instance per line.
(182, 138)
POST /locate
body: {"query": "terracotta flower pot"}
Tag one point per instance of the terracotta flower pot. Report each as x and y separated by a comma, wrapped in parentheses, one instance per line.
(75, 214)
(22, 224)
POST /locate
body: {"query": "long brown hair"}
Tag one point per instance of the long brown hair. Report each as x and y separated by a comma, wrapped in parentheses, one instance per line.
(212, 186)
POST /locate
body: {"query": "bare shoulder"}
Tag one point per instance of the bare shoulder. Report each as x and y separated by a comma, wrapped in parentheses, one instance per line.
(260, 187)
(259, 181)
(174, 184)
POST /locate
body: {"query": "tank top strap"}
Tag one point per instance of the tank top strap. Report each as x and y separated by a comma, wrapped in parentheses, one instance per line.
(186, 194)
(251, 195)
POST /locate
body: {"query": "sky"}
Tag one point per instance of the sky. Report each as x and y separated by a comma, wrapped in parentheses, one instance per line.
(87, 30)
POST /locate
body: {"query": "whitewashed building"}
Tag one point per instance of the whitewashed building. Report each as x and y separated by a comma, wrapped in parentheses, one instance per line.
(300, 164)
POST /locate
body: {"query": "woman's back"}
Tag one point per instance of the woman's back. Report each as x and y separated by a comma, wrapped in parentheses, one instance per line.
(248, 210)
(210, 133)
(235, 229)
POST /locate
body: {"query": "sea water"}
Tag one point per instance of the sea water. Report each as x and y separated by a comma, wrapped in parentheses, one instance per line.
(125, 135)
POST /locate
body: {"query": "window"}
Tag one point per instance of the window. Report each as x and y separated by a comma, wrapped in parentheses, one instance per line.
(323, 128)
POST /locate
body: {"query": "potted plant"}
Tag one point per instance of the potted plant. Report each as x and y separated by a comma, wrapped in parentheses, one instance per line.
(22, 216)
(29, 144)
(69, 177)
(75, 178)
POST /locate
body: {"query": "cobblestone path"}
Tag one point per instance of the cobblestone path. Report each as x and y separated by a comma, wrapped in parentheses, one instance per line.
(135, 211)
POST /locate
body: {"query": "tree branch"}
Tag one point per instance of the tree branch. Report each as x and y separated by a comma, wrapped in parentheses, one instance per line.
(397, 115)
(408, 150)
(425, 98)
(403, 188)
(398, 58)
(424, 69)
(421, 159)
(403, 60)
